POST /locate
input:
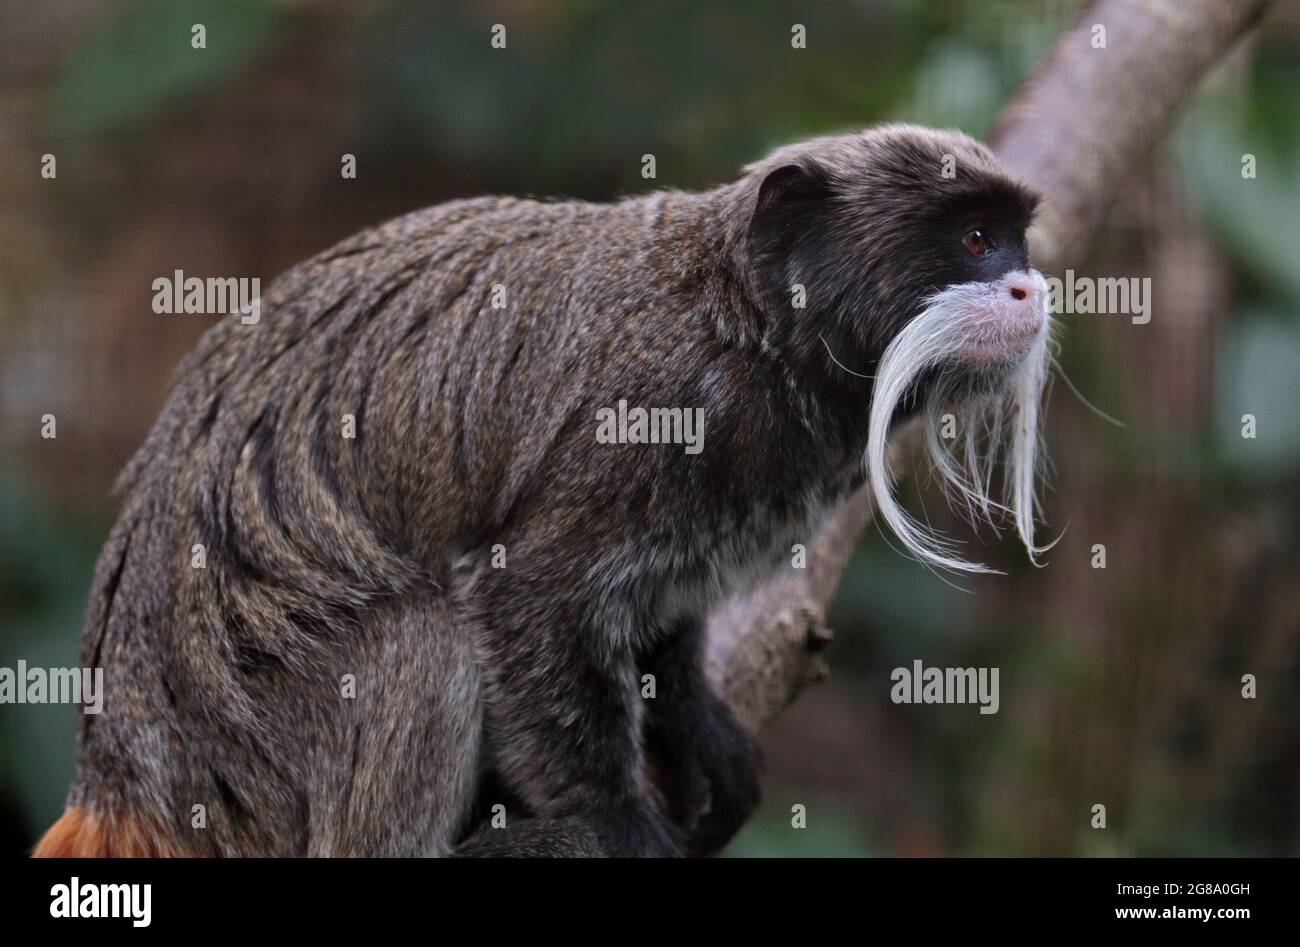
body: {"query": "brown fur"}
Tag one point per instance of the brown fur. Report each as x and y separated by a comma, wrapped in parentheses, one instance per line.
(370, 557)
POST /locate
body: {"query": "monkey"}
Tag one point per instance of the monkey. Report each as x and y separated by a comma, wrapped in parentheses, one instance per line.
(375, 577)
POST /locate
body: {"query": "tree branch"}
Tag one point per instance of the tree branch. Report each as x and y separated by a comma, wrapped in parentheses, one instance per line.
(1083, 120)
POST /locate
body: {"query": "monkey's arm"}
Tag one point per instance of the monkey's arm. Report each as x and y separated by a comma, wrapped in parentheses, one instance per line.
(563, 712)
(707, 762)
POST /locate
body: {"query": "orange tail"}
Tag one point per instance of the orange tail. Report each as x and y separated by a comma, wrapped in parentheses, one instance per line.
(83, 834)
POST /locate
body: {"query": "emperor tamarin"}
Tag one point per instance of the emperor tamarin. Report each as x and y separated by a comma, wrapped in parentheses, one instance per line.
(376, 577)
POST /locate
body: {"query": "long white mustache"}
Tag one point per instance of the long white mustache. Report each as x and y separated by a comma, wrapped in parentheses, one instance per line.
(1000, 425)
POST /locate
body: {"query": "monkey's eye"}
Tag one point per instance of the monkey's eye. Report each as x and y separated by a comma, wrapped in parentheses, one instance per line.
(977, 241)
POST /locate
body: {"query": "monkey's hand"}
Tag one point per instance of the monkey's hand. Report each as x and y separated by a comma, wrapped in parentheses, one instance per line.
(709, 765)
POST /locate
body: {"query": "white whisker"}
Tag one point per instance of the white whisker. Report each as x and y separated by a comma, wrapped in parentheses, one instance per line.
(1060, 371)
(839, 363)
(998, 427)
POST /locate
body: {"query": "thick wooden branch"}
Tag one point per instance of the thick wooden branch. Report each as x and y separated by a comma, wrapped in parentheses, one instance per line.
(1085, 118)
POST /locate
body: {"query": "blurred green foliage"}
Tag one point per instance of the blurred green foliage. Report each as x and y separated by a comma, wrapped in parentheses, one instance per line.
(45, 563)
(123, 76)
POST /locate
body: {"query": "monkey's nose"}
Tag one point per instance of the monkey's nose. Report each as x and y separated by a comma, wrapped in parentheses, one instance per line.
(1020, 306)
(1020, 285)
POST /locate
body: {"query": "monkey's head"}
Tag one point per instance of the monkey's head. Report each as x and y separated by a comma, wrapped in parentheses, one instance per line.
(906, 248)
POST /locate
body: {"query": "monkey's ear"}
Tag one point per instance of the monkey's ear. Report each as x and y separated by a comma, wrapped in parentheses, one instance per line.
(790, 202)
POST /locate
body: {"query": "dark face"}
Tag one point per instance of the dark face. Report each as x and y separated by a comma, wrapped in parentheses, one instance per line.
(909, 245)
(991, 233)
(872, 236)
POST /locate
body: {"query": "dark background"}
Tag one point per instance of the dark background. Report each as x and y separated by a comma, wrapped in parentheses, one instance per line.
(1118, 686)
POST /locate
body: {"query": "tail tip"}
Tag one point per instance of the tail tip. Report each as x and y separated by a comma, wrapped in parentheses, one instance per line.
(80, 833)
